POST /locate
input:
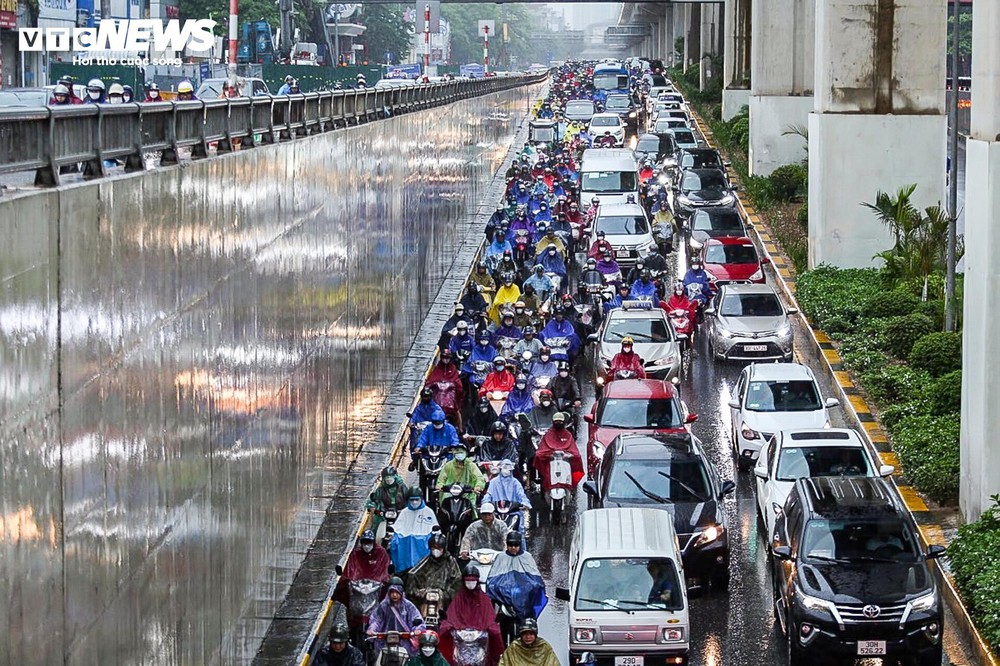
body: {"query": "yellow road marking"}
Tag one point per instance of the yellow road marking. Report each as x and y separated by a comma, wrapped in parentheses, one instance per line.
(843, 378)
(875, 432)
(832, 356)
(858, 402)
(889, 458)
(912, 499)
(933, 535)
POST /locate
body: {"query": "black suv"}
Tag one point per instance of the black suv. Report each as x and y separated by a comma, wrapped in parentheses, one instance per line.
(670, 471)
(850, 578)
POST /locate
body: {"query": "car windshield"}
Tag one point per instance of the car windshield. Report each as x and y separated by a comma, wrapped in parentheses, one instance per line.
(620, 584)
(700, 161)
(799, 462)
(665, 125)
(888, 539)
(668, 478)
(711, 180)
(783, 396)
(718, 253)
(751, 305)
(685, 137)
(605, 121)
(639, 413)
(579, 107)
(622, 225)
(617, 103)
(609, 181)
(543, 134)
(610, 81)
(642, 330)
(648, 145)
(724, 221)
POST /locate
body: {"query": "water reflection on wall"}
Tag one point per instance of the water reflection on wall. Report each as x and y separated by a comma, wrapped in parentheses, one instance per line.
(182, 353)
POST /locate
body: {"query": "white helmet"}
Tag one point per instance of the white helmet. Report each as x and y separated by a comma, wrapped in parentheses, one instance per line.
(96, 83)
(116, 89)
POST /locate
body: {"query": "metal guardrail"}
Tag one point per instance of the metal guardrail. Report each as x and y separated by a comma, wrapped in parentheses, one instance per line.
(48, 139)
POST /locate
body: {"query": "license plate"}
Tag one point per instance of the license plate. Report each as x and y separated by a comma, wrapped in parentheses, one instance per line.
(628, 661)
(871, 648)
(623, 253)
(755, 348)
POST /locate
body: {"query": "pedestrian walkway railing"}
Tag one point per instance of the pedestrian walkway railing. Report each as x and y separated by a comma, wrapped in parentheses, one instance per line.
(48, 140)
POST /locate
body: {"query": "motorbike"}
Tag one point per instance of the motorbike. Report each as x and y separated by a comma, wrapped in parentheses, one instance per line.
(392, 652)
(470, 647)
(482, 559)
(560, 347)
(454, 515)
(497, 400)
(431, 609)
(384, 529)
(480, 370)
(559, 485)
(556, 282)
(432, 460)
(663, 236)
(680, 319)
(364, 597)
(613, 279)
(695, 296)
(505, 347)
(508, 620)
(513, 519)
(446, 396)
(417, 429)
(524, 252)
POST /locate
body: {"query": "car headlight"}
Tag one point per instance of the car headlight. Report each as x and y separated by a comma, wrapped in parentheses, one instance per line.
(584, 635)
(924, 603)
(662, 362)
(784, 331)
(748, 432)
(710, 534)
(681, 199)
(599, 450)
(673, 634)
(726, 333)
(816, 605)
(758, 274)
(728, 199)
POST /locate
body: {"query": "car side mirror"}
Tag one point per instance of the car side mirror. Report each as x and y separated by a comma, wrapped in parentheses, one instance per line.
(339, 570)
(727, 487)
(711, 312)
(589, 418)
(832, 402)
(886, 471)
(760, 473)
(734, 404)
(562, 593)
(765, 260)
(590, 488)
(782, 552)
(690, 418)
(592, 337)
(935, 552)
(792, 311)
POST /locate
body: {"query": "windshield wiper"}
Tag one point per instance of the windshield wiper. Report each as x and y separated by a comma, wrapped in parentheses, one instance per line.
(651, 495)
(823, 558)
(868, 558)
(607, 604)
(683, 485)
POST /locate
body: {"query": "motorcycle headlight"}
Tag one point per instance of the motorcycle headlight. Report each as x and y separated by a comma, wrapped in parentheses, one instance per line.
(710, 534)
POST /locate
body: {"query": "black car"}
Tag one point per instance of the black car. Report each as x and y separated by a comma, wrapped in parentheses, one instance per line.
(670, 471)
(850, 577)
(700, 158)
(714, 222)
(626, 109)
(655, 146)
(699, 188)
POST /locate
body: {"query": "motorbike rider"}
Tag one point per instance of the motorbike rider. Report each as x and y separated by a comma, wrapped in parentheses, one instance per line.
(519, 400)
(609, 268)
(501, 379)
(507, 329)
(422, 413)
(522, 317)
(506, 488)
(390, 494)
(368, 561)
(528, 343)
(558, 438)
(529, 298)
(644, 289)
(461, 344)
(544, 369)
(635, 272)
(482, 279)
(440, 433)
(458, 314)
(472, 609)
(481, 420)
(540, 418)
(514, 580)
(627, 360)
(445, 382)
(680, 301)
(540, 282)
(508, 294)
(499, 216)
(552, 261)
(62, 96)
(606, 140)
(543, 214)
(340, 652)
(547, 236)
(559, 327)
(95, 92)
(590, 275)
(499, 446)
(437, 571)
(529, 649)
(495, 250)
(487, 532)
(395, 613)
(697, 284)
(618, 299)
(646, 172)
(462, 471)
(429, 654)
(655, 261)
(473, 300)
(565, 389)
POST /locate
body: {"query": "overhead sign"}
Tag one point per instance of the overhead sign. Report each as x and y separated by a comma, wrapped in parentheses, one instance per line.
(628, 30)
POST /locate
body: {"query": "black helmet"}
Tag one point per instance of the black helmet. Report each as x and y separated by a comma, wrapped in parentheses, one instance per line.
(498, 426)
(340, 633)
(470, 572)
(529, 330)
(429, 639)
(368, 535)
(426, 393)
(484, 402)
(389, 470)
(438, 539)
(562, 365)
(513, 538)
(528, 626)
(415, 493)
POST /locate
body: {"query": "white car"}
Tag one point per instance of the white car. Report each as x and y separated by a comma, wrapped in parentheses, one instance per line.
(770, 397)
(627, 228)
(608, 122)
(799, 454)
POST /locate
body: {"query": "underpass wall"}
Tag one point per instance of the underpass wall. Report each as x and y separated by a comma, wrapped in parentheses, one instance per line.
(190, 361)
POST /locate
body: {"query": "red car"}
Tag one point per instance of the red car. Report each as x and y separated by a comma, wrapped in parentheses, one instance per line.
(733, 260)
(633, 405)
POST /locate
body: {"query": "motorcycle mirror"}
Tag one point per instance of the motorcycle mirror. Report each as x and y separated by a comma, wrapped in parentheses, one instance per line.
(562, 593)
(592, 337)
(590, 488)
(339, 570)
(710, 312)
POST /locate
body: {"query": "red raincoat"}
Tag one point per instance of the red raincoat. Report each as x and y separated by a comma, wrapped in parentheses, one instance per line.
(471, 609)
(599, 247)
(448, 397)
(363, 566)
(630, 361)
(562, 440)
(497, 381)
(682, 303)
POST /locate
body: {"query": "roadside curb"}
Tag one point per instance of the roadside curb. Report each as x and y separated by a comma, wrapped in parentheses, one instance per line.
(860, 413)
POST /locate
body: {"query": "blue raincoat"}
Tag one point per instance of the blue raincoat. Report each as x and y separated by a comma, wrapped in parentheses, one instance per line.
(518, 402)
(642, 292)
(554, 264)
(479, 353)
(554, 329)
(411, 539)
(515, 581)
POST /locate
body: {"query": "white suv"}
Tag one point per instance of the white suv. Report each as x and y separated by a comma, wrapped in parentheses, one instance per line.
(799, 454)
(770, 397)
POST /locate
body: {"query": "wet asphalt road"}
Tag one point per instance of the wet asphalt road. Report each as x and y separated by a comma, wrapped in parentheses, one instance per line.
(735, 628)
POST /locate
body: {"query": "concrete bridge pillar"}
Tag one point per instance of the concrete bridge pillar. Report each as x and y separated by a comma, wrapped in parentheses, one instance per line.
(878, 122)
(736, 57)
(692, 34)
(679, 13)
(980, 467)
(709, 40)
(781, 80)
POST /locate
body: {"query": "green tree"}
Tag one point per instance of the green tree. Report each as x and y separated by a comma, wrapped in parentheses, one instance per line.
(965, 31)
(250, 10)
(386, 31)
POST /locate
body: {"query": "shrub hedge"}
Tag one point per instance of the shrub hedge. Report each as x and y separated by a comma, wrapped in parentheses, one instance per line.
(937, 353)
(928, 447)
(976, 567)
(901, 333)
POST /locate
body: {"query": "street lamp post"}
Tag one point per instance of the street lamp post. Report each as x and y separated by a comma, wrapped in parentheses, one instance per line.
(336, 34)
(486, 49)
(950, 320)
(427, 38)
